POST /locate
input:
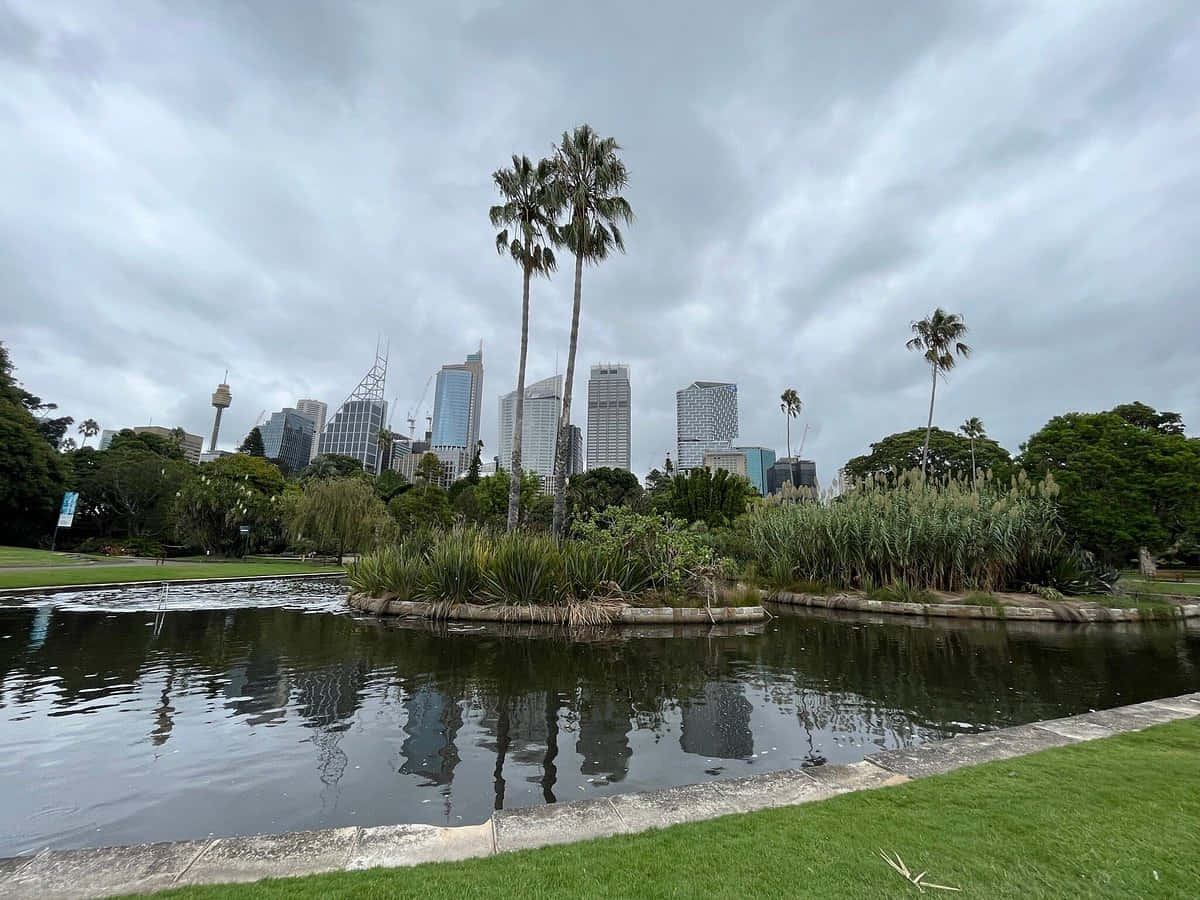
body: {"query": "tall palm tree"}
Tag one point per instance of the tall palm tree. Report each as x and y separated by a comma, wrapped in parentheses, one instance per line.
(529, 201)
(384, 438)
(589, 176)
(88, 428)
(790, 406)
(939, 336)
(973, 428)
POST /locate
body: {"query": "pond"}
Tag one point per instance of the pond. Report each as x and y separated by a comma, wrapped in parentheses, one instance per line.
(239, 709)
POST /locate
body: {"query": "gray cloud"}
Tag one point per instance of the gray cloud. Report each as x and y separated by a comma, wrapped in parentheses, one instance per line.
(271, 186)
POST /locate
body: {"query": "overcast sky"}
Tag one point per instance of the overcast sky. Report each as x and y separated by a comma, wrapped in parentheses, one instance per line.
(267, 185)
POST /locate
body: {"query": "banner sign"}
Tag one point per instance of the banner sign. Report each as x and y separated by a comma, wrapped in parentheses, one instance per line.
(66, 515)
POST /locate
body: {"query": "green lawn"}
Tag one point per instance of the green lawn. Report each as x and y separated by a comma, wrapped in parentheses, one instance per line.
(1160, 586)
(1111, 818)
(47, 577)
(26, 556)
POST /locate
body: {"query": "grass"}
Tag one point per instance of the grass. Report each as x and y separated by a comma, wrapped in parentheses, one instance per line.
(1108, 818)
(52, 577)
(25, 556)
(1143, 586)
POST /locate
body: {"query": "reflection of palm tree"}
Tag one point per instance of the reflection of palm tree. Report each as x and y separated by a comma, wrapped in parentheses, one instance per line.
(503, 725)
(549, 770)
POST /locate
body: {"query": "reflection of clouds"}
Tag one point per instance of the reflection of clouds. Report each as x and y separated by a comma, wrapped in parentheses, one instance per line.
(716, 723)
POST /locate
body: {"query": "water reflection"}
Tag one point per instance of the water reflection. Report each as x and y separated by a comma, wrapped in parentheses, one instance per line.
(266, 719)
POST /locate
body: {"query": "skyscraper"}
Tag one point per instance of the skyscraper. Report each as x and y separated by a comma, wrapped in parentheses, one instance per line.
(758, 463)
(354, 428)
(543, 406)
(456, 401)
(315, 410)
(288, 438)
(608, 417)
(706, 418)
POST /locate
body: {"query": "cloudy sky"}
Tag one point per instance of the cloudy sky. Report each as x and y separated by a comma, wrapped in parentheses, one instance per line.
(267, 185)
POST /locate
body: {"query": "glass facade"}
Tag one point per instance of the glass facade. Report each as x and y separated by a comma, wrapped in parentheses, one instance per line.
(354, 431)
(288, 438)
(758, 464)
(452, 408)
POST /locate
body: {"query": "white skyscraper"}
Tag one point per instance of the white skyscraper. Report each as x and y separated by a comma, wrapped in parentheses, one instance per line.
(543, 406)
(608, 417)
(706, 418)
(315, 410)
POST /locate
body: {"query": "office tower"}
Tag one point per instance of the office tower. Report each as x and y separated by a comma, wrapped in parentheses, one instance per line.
(706, 418)
(400, 450)
(575, 451)
(802, 473)
(315, 410)
(730, 460)
(221, 399)
(543, 406)
(758, 463)
(456, 401)
(608, 417)
(288, 438)
(354, 429)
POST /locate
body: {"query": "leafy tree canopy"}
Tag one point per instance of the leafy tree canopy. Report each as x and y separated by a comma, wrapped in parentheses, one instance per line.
(332, 465)
(419, 509)
(949, 456)
(259, 473)
(597, 489)
(339, 515)
(253, 444)
(389, 484)
(141, 440)
(1123, 484)
(715, 498)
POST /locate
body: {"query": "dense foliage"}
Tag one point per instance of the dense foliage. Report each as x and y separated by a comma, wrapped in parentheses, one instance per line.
(339, 515)
(597, 489)
(949, 456)
(714, 498)
(930, 536)
(228, 493)
(1129, 479)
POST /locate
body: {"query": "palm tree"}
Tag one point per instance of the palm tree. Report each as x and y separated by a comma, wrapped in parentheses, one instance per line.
(938, 335)
(589, 177)
(790, 406)
(528, 194)
(973, 428)
(384, 438)
(88, 428)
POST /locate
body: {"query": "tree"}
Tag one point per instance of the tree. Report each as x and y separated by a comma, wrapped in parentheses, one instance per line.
(790, 406)
(415, 510)
(68, 445)
(527, 211)
(332, 465)
(139, 486)
(338, 515)
(973, 428)
(597, 489)
(253, 444)
(389, 484)
(715, 498)
(476, 464)
(1150, 419)
(384, 437)
(939, 336)
(89, 428)
(658, 482)
(1122, 486)
(429, 469)
(144, 440)
(492, 494)
(948, 455)
(32, 475)
(226, 494)
(589, 176)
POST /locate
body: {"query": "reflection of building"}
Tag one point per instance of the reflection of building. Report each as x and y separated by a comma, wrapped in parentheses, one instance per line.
(288, 438)
(706, 418)
(608, 417)
(543, 407)
(758, 462)
(717, 723)
(432, 723)
(354, 429)
(604, 726)
(315, 410)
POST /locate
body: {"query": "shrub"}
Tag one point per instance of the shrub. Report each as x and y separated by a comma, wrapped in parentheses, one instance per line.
(671, 556)
(394, 571)
(591, 569)
(454, 569)
(526, 569)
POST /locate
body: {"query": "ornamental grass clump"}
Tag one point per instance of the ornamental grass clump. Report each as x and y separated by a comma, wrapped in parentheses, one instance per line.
(525, 570)
(455, 568)
(928, 536)
(394, 572)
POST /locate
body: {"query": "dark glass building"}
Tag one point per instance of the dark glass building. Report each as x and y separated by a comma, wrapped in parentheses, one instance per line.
(288, 438)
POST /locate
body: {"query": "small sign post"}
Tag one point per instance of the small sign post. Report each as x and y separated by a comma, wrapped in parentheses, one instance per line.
(66, 514)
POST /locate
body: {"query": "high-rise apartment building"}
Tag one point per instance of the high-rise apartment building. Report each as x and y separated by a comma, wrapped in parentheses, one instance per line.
(354, 429)
(457, 397)
(758, 463)
(608, 417)
(706, 418)
(315, 410)
(543, 406)
(288, 438)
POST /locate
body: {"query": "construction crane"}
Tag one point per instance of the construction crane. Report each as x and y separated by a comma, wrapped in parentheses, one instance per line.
(262, 415)
(412, 413)
(392, 412)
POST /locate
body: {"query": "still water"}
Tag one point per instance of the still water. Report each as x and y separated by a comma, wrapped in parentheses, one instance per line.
(239, 709)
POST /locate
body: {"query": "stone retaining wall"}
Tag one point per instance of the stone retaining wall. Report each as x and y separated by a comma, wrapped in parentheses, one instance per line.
(1057, 612)
(621, 614)
(148, 867)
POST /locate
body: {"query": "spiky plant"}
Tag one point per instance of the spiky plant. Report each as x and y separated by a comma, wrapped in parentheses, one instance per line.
(939, 337)
(454, 569)
(526, 570)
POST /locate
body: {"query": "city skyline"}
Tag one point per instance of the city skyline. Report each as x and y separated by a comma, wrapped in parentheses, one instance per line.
(239, 203)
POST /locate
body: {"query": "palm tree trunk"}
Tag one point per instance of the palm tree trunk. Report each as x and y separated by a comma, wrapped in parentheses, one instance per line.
(514, 483)
(564, 426)
(789, 434)
(973, 469)
(928, 427)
